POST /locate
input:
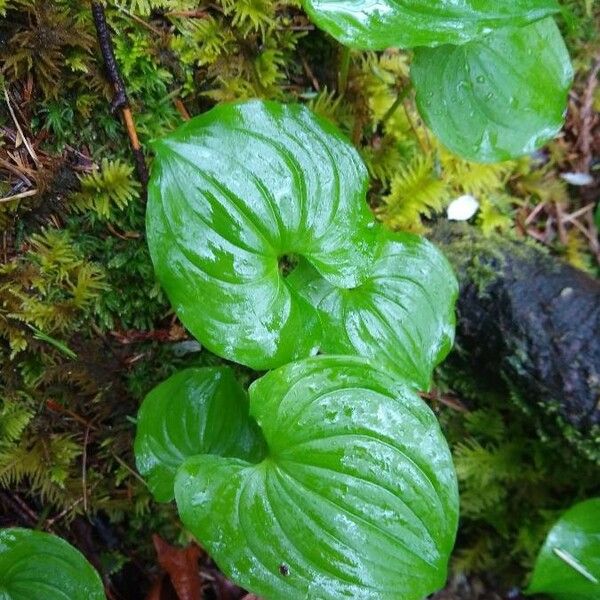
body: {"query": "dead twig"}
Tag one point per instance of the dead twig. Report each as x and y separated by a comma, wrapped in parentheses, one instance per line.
(7, 166)
(578, 213)
(448, 400)
(120, 100)
(26, 194)
(190, 14)
(29, 147)
(129, 469)
(562, 232)
(310, 74)
(587, 117)
(181, 109)
(175, 333)
(86, 439)
(56, 407)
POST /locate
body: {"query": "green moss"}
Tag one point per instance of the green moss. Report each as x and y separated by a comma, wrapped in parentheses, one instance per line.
(515, 476)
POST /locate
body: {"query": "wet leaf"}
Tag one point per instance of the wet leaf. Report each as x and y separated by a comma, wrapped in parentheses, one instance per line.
(402, 316)
(357, 497)
(568, 566)
(378, 25)
(235, 193)
(497, 98)
(195, 411)
(39, 566)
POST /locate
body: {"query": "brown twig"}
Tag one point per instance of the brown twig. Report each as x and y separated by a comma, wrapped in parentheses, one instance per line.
(30, 149)
(4, 164)
(19, 196)
(140, 21)
(190, 14)
(181, 109)
(20, 508)
(562, 232)
(50, 522)
(56, 407)
(587, 116)
(310, 74)
(120, 100)
(578, 213)
(86, 440)
(448, 400)
(129, 469)
(175, 333)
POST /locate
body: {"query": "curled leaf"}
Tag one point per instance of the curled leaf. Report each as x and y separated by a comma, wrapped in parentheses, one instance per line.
(235, 194)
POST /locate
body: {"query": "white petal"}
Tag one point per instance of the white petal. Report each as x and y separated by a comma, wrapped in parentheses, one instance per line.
(463, 208)
(578, 178)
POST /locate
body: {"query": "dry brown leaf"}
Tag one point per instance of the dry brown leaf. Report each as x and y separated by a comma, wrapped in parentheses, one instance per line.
(181, 564)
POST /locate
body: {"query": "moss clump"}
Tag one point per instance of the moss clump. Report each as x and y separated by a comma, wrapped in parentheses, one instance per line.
(515, 478)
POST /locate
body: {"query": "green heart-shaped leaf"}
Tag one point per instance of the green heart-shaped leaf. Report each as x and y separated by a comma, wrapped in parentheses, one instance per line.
(39, 566)
(568, 566)
(402, 316)
(497, 98)
(357, 497)
(233, 193)
(378, 25)
(195, 411)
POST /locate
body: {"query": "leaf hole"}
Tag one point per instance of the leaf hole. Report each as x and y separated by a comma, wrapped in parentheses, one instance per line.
(287, 263)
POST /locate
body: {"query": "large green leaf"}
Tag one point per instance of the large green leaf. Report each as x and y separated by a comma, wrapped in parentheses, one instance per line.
(195, 411)
(232, 193)
(496, 98)
(379, 24)
(402, 316)
(568, 566)
(40, 566)
(357, 497)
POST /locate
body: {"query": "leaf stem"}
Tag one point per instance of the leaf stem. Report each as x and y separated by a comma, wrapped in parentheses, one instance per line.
(344, 69)
(402, 94)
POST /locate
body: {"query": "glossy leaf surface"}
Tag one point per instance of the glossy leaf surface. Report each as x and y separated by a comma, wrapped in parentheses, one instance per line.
(39, 566)
(237, 189)
(380, 24)
(402, 317)
(497, 98)
(195, 411)
(357, 497)
(568, 566)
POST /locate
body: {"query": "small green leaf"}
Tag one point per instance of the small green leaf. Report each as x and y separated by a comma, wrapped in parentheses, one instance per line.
(568, 565)
(357, 497)
(378, 25)
(39, 566)
(233, 193)
(61, 346)
(195, 411)
(402, 316)
(497, 98)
